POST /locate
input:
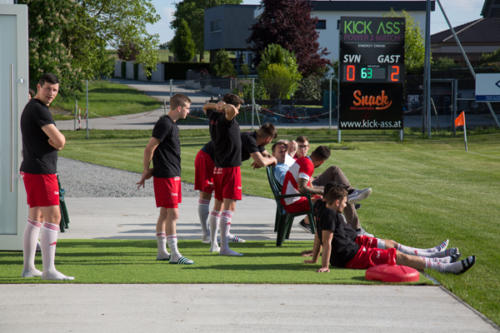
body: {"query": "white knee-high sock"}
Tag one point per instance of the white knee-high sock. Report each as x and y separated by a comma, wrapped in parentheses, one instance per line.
(203, 211)
(214, 227)
(31, 233)
(443, 267)
(161, 239)
(225, 227)
(172, 244)
(48, 242)
(422, 252)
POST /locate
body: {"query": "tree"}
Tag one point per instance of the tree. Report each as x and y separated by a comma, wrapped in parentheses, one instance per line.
(414, 42)
(289, 24)
(223, 66)
(279, 81)
(193, 12)
(278, 71)
(70, 37)
(182, 44)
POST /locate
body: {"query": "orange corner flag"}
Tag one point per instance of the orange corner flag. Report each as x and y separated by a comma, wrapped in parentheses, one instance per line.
(460, 120)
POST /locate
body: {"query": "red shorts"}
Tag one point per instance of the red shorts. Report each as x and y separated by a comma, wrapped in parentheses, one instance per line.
(203, 172)
(227, 183)
(301, 205)
(168, 192)
(368, 255)
(42, 189)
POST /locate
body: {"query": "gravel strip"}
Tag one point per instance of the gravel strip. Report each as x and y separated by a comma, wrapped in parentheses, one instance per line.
(80, 180)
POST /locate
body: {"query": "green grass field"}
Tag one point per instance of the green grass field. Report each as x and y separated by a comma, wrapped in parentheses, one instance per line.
(424, 190)
(133, 261)
(106, 99)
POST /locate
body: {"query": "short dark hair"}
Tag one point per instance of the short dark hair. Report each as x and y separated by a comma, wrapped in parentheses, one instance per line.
(178, 100)
(233, 99)
(48, 77)
(302, 138)
(335, 192)
(267, 130)
(321, 153)
(31, 92)
(279, 142)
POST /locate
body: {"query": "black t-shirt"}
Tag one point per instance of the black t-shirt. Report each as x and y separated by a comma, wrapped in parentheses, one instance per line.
(167, 156)
(344, 248)
(39, 157)
(209, 149)
(249, 145)
(225, 135)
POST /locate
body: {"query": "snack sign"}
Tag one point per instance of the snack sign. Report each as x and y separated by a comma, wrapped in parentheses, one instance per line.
(371, 72)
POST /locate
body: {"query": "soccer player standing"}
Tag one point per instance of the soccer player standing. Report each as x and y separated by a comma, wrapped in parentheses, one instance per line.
(165, 151)
(41, 141)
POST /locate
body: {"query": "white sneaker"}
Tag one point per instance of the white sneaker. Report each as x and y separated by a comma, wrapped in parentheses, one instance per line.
(229, 252)
(205, 239)
(214, 248)
(31, 273)
(55, 275)
(358, 195)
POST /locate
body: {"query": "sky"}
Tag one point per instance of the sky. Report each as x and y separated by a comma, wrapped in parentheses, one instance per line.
(458, 12)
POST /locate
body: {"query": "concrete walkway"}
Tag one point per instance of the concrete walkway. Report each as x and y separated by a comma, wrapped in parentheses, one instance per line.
(225, 307)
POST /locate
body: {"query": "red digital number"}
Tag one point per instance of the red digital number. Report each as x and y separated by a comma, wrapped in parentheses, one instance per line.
(350, 72)
(395, 73)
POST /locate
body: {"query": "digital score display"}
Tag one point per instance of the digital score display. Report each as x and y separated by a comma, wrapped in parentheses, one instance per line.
(358, 73)
(371, 72)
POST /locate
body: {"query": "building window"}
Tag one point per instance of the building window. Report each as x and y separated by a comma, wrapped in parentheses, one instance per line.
(216, 26)
(321, 25)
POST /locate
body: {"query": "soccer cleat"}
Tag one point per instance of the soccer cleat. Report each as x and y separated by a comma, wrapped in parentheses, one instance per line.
(182, 261)
(305, 226)
(467, 263)
(236, 239)
(358, 195)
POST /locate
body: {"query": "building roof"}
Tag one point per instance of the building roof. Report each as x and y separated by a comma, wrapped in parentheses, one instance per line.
(475, 32)
(371, 5)
(491, 8)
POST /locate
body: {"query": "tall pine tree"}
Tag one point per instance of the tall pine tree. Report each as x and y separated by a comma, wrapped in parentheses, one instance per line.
(289, 24)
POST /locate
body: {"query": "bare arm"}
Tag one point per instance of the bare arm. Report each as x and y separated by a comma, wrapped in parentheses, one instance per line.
(304, 188)
(315, 251)
(147, 172)
(219, 107)
(259, 160)
(56, 138)
(230, 111)
(327, 237)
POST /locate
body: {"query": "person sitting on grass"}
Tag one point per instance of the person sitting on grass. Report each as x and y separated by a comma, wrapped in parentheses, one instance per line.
(343, 248)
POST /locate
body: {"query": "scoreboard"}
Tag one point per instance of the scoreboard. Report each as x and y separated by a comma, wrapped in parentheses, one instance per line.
(371, 72)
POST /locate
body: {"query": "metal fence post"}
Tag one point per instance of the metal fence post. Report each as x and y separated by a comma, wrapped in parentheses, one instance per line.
(330, 104)
(253, 101)
(87, 107)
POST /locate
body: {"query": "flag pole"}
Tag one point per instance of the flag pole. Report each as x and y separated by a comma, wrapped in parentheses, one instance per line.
(465, 134)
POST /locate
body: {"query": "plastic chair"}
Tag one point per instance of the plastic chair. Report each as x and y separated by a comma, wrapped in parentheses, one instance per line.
(283, 220)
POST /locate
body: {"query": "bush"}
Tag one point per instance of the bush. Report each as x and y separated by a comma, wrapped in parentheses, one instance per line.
(223, 66)
(310, 88)
(279, 81)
